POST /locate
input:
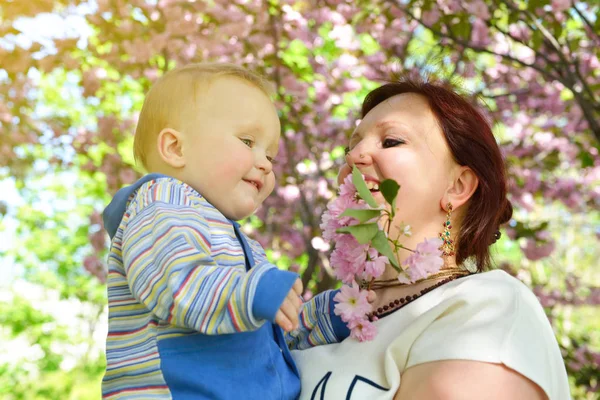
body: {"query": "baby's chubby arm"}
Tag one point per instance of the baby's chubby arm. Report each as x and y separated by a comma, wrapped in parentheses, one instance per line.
(170, 269)
(318, 324)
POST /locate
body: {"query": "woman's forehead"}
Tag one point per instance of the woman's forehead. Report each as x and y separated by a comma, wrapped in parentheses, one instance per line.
(406, 105)
(407, 111)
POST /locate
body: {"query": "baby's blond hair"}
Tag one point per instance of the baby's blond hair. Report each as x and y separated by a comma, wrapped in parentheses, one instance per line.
(169, 98)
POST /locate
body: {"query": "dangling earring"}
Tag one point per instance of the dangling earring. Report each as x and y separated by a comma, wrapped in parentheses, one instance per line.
(448, 246)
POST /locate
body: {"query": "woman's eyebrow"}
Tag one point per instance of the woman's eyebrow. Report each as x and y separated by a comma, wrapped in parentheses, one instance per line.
(387, 124)
(379, 126)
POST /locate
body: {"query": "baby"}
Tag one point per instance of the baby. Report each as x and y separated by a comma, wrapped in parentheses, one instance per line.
(196, 311)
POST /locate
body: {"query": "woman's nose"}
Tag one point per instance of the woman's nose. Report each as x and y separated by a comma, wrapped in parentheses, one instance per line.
(359, 155)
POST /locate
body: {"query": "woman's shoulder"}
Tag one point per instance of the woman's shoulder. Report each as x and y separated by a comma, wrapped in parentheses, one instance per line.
(494, 296)
(490, 317)
(496, 285)
(483, 302)
(482, 314)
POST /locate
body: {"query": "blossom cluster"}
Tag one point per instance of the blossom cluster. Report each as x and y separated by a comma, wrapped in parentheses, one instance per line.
(357, 255)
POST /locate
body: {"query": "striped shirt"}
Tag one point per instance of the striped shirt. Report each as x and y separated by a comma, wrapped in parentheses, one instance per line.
(177, 272)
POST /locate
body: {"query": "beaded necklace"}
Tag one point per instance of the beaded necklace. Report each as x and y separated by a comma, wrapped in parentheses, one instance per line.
(397, 304)
(379, 284)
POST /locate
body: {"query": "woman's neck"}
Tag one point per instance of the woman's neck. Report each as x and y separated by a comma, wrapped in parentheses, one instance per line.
(391, 273)
(429, 230)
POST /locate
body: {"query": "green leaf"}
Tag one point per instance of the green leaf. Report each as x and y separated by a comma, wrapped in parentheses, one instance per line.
(381, 244)
(368, 44)
(361, 215)
(587, 160)
(363, 233)
(389, 189)
(337, 152)
(533, 5)
(536, 40)
(362, 189)
(462, 29)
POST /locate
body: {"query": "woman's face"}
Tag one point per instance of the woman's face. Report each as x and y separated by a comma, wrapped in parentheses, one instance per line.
(400, 139)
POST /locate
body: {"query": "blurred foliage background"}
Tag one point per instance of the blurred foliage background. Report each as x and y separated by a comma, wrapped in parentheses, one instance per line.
(72, 78)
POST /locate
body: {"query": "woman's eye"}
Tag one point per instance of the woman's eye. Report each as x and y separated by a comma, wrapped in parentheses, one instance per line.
(247, 142)
(389, 142)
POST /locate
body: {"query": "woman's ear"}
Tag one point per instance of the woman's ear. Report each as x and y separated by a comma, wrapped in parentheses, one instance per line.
(461, 188)
(170, 147)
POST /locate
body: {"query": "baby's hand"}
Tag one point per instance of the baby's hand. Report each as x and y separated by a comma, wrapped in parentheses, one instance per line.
(287, 316)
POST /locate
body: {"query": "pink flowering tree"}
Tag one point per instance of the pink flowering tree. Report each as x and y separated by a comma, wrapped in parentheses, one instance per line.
(74, 72)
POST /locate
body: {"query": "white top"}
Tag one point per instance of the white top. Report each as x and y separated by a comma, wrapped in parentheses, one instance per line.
(489, 317)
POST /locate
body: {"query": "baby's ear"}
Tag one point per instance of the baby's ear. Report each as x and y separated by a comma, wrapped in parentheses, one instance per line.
(169, 144)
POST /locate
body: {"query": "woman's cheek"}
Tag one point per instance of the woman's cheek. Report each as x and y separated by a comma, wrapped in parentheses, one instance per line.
(344, 171)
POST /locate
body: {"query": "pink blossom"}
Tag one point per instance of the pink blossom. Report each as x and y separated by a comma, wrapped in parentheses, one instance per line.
(294, 243)
(362, 329)
(290, 193)
(426, 259)
(479, 9)
(350, 85)
(480, 34)
(127, 175)
(520, 31)
(534, 250)
(511, 233)
(543, 235)
(90, 80)
(348, 258)
(345, 38)
(319, 244)
(98, 240)
(351, 302)
(95, 218)
(375, 266)
(347, 188)
(560, 5)
(94, 266)
(431, 17)
(329, 225)
(450, 6)
(347, 199)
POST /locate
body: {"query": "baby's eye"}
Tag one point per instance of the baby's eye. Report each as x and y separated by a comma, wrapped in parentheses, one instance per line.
(391, 142)
(271, 159)
(347, 150)
(247, 142)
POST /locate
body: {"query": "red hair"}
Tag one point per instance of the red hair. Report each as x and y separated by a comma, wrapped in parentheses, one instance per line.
(471, 141)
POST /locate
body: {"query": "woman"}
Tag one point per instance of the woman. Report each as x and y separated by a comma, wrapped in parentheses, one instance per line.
(462, 334)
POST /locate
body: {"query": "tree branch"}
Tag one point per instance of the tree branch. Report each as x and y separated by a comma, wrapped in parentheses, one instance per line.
(586, 22)
(468, 44)
(305, 212)
(588, 106)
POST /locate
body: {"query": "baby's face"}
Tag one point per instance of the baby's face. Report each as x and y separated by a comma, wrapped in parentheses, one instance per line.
(230, 143)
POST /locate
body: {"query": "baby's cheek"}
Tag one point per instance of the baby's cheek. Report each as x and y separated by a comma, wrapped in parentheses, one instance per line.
(269, 185)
